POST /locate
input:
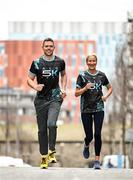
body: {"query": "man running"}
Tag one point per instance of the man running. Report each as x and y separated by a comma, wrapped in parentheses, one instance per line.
(46, 70)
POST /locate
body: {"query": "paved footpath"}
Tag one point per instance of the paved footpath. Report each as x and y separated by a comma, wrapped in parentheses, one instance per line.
(56, 173)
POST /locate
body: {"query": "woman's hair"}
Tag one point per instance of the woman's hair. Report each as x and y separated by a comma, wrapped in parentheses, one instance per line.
(93, 54)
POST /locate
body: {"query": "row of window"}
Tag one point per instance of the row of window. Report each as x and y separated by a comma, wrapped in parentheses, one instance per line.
(65, 27)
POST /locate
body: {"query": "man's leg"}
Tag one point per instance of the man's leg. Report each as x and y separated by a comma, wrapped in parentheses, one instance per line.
(53, 112)
(41, 107)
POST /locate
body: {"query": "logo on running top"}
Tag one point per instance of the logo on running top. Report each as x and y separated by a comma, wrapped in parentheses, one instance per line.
(50, 72)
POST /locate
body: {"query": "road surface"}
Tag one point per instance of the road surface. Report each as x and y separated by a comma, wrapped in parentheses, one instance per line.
(56, 173)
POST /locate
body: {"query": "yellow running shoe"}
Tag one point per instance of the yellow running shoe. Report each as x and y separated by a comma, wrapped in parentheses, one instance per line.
(51, 156)
(44, 162)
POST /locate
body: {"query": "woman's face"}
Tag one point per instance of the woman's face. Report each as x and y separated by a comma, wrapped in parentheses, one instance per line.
(91, 62)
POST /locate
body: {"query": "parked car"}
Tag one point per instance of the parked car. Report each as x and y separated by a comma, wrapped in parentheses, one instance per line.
(115, 161)
(6, 161)
(130, 16)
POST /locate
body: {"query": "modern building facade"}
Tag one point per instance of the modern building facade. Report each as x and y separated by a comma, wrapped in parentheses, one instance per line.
(73, 40)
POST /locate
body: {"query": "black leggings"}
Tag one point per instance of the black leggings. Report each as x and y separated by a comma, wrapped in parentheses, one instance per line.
(87, 120)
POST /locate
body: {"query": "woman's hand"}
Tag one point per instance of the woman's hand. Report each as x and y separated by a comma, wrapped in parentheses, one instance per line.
(90, 86)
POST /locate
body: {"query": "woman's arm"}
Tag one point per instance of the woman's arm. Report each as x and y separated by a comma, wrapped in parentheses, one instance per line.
(109, 92)
(79, 92)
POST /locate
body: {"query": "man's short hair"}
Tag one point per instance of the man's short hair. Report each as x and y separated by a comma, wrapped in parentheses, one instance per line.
(47, 39)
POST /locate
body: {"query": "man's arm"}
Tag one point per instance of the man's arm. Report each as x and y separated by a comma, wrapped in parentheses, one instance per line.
(63, 83)
(33, 84)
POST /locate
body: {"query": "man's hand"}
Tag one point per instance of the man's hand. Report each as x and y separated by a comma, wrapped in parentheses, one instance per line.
(63, 93)
(104, 98)
(39, 87)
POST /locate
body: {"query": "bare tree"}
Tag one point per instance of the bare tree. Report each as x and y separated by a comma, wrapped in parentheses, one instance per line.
(124, 79)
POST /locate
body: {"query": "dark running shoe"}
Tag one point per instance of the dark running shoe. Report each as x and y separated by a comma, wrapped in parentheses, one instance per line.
(97, 165)
(86, 152)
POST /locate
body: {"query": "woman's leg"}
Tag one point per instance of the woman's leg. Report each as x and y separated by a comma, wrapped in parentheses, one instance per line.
(98, 122)
(87, 121)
